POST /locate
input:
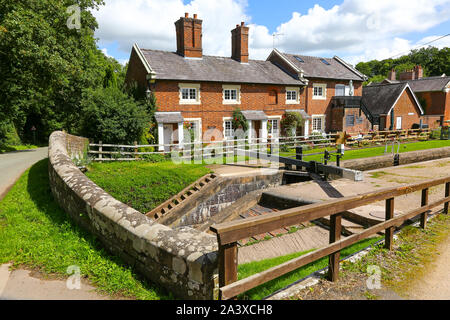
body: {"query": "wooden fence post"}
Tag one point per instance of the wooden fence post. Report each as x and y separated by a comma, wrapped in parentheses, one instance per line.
(424, 215)
(389, 232)
(335, 235)
(100, 149)
(135, 151)
(299, 156)
(228, 256)
(447, 193)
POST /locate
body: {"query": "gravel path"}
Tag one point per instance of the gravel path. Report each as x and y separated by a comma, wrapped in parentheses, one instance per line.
(435, 285)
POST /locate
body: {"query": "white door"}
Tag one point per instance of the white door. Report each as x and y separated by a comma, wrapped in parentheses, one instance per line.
(398, 123)
(168, 130)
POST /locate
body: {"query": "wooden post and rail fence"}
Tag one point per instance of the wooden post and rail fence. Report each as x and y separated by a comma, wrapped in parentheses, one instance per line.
(229, 233)
(115, 152)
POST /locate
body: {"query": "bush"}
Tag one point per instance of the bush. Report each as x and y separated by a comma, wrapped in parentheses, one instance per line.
(8, 134)
(112, 116)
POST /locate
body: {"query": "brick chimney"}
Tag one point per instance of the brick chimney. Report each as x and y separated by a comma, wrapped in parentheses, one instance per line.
(407, 75)
(418, 72)
(392, 75)
(239, 43)
(189, 36)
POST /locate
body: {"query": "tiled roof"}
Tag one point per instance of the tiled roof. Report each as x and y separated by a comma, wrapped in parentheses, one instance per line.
(379, 98)
(429, 84)
(330, 68)
(171, 66)
(169, 117)
(254, 115)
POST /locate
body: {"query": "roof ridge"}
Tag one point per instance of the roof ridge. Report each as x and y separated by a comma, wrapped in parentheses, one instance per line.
(204, 55)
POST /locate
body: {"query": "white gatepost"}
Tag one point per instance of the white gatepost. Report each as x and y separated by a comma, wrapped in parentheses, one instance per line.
(306, 133)
(180, 134)
(249, 122)
(264, 130)
(160, 136)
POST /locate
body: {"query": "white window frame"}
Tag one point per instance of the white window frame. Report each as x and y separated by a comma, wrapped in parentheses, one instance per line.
(323, 86)
(227, 119)
(199, 127)
(297, 95)
(272, 118)
(318, 116)
(238, 94)
(195, 86)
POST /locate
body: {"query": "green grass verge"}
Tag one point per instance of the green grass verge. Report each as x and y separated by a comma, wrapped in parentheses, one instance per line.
(36, 232)
(248, 269)
(143, 185)
(374, 151)
(8, 148)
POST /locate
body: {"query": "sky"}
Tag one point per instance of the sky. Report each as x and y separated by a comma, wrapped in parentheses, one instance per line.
(354, 30)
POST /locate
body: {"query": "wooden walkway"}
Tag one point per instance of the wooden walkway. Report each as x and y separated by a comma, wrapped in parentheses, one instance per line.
(304, 239)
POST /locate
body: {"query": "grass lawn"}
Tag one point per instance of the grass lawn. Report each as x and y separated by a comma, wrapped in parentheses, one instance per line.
(373, 151)
(143, 185)
(248, 269)
(8, 148)
(35, 232)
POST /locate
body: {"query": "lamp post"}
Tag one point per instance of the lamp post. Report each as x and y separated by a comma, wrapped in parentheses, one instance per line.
(33, 129)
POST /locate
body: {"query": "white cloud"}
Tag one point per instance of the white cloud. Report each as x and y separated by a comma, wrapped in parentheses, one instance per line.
(150, 23)
(363, 29)
(357, 30)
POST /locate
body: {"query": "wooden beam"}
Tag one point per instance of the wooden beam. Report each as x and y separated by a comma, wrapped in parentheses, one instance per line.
(354, 175)
(447, 193)
(424, 202)
(228, 263)
(389, 232)
(235, 288)
(335, 235)
(240, 229)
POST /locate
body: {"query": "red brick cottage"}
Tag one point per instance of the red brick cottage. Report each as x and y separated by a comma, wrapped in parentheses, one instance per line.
(433, 93)
(394, 106)
(205, 90)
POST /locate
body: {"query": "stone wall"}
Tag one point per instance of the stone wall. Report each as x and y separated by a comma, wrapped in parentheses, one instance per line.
(183, 260)
(227, 191)
(366, 164)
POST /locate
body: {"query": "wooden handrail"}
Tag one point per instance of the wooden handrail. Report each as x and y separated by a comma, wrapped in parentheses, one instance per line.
(233, 289)
(230, 232)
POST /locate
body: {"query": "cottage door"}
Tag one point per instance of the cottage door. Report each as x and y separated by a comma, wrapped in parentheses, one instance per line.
(398, 125)
(168, 131)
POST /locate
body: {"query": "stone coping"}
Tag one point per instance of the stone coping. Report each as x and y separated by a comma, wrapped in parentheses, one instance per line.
(183, 260)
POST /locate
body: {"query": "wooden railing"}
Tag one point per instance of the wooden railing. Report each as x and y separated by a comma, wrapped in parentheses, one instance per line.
(110, 152)
(229, 233)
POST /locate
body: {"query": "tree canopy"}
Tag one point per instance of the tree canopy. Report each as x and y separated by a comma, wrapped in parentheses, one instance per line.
(47, 68)
(434, 62)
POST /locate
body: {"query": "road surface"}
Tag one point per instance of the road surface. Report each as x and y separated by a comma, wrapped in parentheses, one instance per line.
(23, 284)
(13, 164)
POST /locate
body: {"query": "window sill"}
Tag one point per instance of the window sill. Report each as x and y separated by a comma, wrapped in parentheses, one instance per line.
(189, 102)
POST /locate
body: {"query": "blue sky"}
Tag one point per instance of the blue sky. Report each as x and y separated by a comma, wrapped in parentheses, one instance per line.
(352, 29)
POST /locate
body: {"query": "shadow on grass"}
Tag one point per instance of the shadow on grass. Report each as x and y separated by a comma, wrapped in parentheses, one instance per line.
(38, 188)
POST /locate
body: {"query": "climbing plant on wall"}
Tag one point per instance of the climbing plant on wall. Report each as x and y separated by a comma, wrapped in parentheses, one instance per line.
(290, 123)
(239, 121)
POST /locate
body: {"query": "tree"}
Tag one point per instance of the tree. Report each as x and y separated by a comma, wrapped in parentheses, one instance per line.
(45, 66)
(110, 115)
(434, 62)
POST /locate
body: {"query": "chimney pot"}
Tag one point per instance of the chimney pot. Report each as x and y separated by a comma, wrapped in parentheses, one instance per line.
(189, 36)
(242, 23)
(195, 16)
